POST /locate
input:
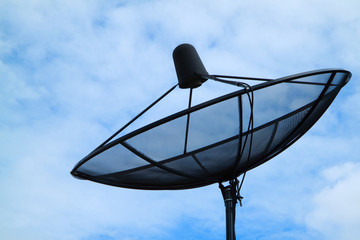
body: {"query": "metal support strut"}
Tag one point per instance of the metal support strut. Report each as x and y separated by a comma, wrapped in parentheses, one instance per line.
(231, 196)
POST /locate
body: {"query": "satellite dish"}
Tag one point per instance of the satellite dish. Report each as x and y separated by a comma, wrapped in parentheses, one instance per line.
(215, 141)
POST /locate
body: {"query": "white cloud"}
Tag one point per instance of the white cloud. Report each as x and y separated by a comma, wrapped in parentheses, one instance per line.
(69, 72)
(336, 214)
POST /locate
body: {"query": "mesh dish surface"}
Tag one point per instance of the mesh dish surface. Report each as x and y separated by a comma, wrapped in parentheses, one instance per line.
(155, 156)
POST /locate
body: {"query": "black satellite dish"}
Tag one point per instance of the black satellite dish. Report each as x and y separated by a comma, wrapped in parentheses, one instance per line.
(215, 141)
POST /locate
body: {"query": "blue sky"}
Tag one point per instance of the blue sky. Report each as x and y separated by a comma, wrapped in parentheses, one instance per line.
(73, 72)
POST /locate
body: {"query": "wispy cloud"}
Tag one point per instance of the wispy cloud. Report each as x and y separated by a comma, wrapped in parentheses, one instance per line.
(73, 72)
(335, 212)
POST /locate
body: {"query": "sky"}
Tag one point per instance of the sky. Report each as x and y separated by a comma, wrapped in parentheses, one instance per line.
(73, 72)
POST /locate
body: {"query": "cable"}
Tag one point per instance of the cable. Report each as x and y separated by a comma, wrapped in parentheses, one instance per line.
(249, 136)
(250, 129)
(235, 185)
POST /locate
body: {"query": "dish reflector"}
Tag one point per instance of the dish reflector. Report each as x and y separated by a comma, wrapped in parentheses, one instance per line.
(158, 157)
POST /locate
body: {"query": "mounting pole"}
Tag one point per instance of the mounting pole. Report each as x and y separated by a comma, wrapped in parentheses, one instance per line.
(230, 199)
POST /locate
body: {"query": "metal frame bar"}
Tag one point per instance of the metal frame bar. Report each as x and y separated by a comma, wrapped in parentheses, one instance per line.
(154, 163)
(137, 116)
(187, 121)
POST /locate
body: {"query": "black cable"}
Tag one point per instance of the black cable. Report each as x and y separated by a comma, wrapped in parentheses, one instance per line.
(250, 129)
(250, 94)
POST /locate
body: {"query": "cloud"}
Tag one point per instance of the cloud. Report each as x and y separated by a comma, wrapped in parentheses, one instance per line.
(73, 72)
(335, 213)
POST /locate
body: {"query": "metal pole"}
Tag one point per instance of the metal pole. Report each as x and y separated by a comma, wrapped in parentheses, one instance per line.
(230, 204)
